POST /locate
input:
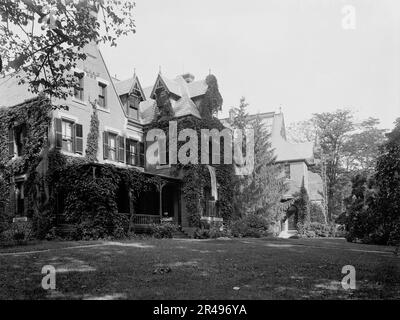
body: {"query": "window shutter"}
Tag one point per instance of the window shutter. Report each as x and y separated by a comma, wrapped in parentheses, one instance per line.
(11, 150)
(58, 133)
(141, 161)
(121, 149)
(78, 138)
(127, 152)
(105, 145)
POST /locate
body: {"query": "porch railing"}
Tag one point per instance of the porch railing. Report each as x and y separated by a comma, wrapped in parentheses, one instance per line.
(146, 219)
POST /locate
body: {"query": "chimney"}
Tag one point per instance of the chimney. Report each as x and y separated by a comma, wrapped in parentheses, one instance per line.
(188, 77)
(231, 115)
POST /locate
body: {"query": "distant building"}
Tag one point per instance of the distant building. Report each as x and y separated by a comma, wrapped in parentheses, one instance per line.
(297, 159)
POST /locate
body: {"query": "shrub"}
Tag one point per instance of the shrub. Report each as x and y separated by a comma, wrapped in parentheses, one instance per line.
(211, 233)
(163, 230)
(250, 226)
(43, 224)
(316, 230)
(18, 233)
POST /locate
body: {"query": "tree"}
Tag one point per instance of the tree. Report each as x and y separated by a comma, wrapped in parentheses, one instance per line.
(361, 149)
(42, 40)
(92, 142)
(302, 131)
(303, 205)
(240, 119)
(266, 186)
(388, 184)
(261, 191)
(373, 210)
(333, 130)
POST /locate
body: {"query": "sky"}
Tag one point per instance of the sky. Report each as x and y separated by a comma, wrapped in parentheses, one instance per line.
(300, 56)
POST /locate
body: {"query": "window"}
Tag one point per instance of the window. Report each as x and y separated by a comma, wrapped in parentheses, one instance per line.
(131, 152)
(16, 140)
(287, 171)
(133, 107)
(117, 148)
(134, 153)
(78, 89)
(19, 198)
(112, 146)
(68, 136)
(20, 135)
(102, 95)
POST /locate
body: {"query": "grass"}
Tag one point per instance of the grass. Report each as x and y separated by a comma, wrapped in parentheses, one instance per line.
(200, 269)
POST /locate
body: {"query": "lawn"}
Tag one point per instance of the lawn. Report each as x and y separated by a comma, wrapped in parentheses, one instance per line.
(200, 269)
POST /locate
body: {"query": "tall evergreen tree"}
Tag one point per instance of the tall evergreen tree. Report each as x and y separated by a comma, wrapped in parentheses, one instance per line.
(261, 191)
(266, 184)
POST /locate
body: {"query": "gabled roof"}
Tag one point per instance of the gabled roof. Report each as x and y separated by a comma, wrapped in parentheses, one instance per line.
(127, 86)
(183, 93)
(170, 85)
(284, 150)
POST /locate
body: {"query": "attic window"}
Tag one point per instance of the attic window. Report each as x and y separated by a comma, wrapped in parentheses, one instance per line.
(102, 101)
(133, 106)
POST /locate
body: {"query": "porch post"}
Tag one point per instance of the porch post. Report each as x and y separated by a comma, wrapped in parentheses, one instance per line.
(160, 187)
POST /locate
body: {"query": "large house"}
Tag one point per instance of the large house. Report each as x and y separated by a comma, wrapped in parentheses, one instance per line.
(124, 109)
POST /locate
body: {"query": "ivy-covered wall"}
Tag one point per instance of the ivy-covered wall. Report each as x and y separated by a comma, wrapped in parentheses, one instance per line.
(196, 176)
(86, 196)
(34, 116)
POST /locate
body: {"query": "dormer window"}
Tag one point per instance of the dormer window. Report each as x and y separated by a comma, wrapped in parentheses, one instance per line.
(132, 101)
(133, 107)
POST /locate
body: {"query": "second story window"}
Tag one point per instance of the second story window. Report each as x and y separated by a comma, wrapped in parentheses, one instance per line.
(17, 140)
(102, 100)
(78, 89)
(113, 147)
(134, 153)
(68, 136)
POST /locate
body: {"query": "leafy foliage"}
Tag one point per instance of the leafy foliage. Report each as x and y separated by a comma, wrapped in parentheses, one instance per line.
(45, 39)
(303, 206)
(251, 225)
(361, 149)
(316, 213)
(212, 100)
(196, 176)
(35, 116)
(317, 230)
(90, 202)
(92, 142)
(163, 230)
(333, 129)
(261, 191)
(18, 233)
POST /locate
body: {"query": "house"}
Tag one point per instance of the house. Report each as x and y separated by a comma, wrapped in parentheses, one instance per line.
(297, 160)
(124, 109)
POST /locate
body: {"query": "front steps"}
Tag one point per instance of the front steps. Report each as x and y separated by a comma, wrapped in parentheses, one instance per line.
(288, 234)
